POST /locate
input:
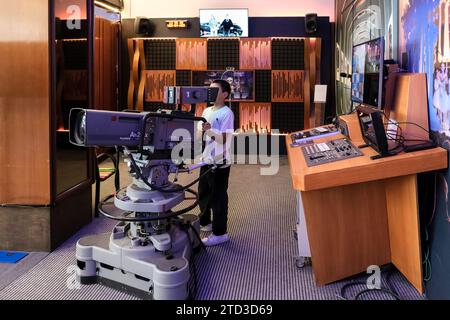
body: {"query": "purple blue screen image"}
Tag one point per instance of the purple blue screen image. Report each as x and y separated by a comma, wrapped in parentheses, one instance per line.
(367, 73)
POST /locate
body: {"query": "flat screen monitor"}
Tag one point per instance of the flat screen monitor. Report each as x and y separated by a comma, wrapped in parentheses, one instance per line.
(223, 23)
(367, 73)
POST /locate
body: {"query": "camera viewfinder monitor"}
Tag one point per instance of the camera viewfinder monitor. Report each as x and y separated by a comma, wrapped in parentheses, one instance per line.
(367, 73)
(223, 23)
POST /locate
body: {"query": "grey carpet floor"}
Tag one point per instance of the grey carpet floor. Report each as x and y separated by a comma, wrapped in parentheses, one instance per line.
(257, 264)
(10, 272)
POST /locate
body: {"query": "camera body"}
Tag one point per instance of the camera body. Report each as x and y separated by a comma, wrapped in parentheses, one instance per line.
(156, 132)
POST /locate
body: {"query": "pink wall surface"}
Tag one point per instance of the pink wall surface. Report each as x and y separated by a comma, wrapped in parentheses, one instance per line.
(257, 8)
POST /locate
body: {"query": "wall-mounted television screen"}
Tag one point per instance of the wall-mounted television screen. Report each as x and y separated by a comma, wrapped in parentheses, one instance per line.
(367, 73)
(223, 23)
(241, 82)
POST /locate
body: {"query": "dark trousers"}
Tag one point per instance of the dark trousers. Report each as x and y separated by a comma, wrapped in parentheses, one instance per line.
(213, 195)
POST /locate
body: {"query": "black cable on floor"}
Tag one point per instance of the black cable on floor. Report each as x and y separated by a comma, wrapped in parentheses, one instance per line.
(360, 294)
(389, 291)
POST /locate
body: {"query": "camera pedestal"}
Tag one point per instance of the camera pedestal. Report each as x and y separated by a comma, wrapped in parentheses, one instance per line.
(122, 262)
(149, 252)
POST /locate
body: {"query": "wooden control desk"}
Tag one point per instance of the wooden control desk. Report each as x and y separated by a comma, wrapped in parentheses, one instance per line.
(361, 212)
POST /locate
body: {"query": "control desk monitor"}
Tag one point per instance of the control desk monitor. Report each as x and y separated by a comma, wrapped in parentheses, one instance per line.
(367, 73)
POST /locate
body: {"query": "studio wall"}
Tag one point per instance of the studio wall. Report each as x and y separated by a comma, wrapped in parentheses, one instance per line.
(257, 8)
(259, 27)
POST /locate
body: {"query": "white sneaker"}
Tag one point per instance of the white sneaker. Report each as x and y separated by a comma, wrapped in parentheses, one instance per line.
(213, 240)
(207, 228)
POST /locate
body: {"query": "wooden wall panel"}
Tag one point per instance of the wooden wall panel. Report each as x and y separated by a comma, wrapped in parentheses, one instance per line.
(192, 54)
(133, 87)
(155, 81)
(98, 67)
(313, 113)
(256, 53)
(287, 86)
(105, 64)
(60, 84)
(319, 108)
(24, 103)
(411, 92)
(199, 108)
(255, 117)
(352, 235)
(404, 228)
(142, 80)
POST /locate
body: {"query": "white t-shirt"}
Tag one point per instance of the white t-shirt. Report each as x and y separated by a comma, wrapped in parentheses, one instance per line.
(222, 121)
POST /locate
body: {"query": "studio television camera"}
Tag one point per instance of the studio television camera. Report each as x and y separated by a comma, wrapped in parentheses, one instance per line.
(149, 251)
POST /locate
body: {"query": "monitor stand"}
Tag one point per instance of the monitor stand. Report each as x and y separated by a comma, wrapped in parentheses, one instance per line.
(421, 146)
(382, 156)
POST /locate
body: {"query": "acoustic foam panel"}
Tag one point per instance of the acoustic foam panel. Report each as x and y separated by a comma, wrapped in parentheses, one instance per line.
(184, 78)
(288, 117)
(223, 54)
(263, 86)
(160, 54)
(288, 54)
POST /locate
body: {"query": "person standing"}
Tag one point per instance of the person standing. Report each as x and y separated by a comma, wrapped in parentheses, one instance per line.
(226, 25)
(213, 185)
(213, 26)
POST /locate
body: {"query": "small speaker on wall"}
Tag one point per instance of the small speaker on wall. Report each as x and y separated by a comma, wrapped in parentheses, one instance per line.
(311, 23)
(143, 26)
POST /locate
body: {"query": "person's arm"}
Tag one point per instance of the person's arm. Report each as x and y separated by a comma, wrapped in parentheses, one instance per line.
(226, 129)
(201, 125)
(219, 137)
